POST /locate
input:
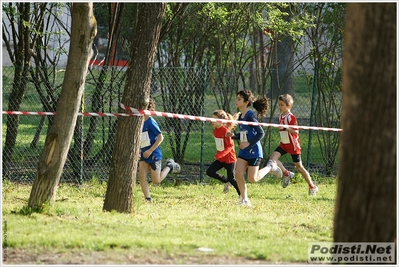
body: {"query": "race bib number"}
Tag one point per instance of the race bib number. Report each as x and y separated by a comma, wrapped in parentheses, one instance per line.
(243, 136)
(284, 137)
(219, 144)
(145, 139)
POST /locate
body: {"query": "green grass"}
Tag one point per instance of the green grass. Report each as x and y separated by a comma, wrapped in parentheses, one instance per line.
(181, 219)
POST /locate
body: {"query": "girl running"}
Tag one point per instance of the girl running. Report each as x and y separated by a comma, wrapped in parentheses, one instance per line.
(225, 152)
(251, 153)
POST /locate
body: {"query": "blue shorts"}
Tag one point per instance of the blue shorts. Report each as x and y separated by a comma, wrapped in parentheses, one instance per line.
(252, 162)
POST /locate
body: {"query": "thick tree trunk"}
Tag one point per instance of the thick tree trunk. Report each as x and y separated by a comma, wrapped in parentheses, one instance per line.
(53, 157)
(122, 176)
(366, 200)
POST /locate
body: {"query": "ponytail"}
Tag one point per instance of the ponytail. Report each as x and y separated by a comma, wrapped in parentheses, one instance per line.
(262, 106)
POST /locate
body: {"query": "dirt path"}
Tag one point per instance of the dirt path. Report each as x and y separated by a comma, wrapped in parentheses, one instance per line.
(26, 256)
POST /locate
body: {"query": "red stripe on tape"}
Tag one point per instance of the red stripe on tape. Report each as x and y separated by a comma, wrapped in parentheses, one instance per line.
(44, 113)
(191, 117)
(136, 112)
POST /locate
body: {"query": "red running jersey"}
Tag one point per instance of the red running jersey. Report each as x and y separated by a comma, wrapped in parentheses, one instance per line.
(289, 141)
(224, 146)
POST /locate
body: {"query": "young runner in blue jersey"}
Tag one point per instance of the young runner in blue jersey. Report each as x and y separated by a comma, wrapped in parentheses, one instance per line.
(151, 154)
(251, 152)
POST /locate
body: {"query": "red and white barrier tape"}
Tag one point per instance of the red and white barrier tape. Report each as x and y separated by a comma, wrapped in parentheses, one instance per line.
(199, 118)
(137, 112)
(43, 113)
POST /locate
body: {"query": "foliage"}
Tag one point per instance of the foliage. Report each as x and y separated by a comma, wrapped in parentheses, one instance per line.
(277, 23)
(227, 41)
(326, 40)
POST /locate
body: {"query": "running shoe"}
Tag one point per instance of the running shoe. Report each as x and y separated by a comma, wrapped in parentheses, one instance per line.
(287, 179)
(226, 187)
(244, 202)
(313, 191)
(274, 169)
(169, 161)
(176, 168)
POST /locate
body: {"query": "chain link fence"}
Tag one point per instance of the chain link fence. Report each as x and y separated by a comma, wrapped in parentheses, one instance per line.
(193, 91)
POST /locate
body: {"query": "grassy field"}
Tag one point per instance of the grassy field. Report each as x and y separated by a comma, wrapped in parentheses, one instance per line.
(186, 223)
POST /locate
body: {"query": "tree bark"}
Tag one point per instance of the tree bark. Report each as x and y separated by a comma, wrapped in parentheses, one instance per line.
(122, 175)
(366, 200)
(53, 156)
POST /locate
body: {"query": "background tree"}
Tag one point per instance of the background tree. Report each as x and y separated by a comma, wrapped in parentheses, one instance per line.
(219, 47)
(285, 24)
(325, 41)
(366, 200)
(60, 134)
(226, 38)
(19, 44)
(122, 176)
(47, 36)
(50, 37)
(108, 74)
(282, 58)
(114, 13)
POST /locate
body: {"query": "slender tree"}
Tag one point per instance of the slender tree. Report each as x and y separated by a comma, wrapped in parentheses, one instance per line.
(366, 200)
(325, 41)
(122, 176)
(97, 101)
(54, 154)
(282, 62)
(17, 39)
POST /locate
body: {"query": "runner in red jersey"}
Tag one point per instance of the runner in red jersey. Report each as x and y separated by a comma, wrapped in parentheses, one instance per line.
(225, 157)
(290, 143)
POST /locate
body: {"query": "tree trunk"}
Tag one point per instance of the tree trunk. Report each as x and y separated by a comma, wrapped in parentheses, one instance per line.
(282, 64)
(122, 175)
(97, 101)
(366, 200)
(53, 157)
(38, 132)
(21, 61)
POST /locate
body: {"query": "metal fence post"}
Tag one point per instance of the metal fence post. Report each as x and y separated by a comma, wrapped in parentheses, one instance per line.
(81, 144)
(316, 73)
(203, 123)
